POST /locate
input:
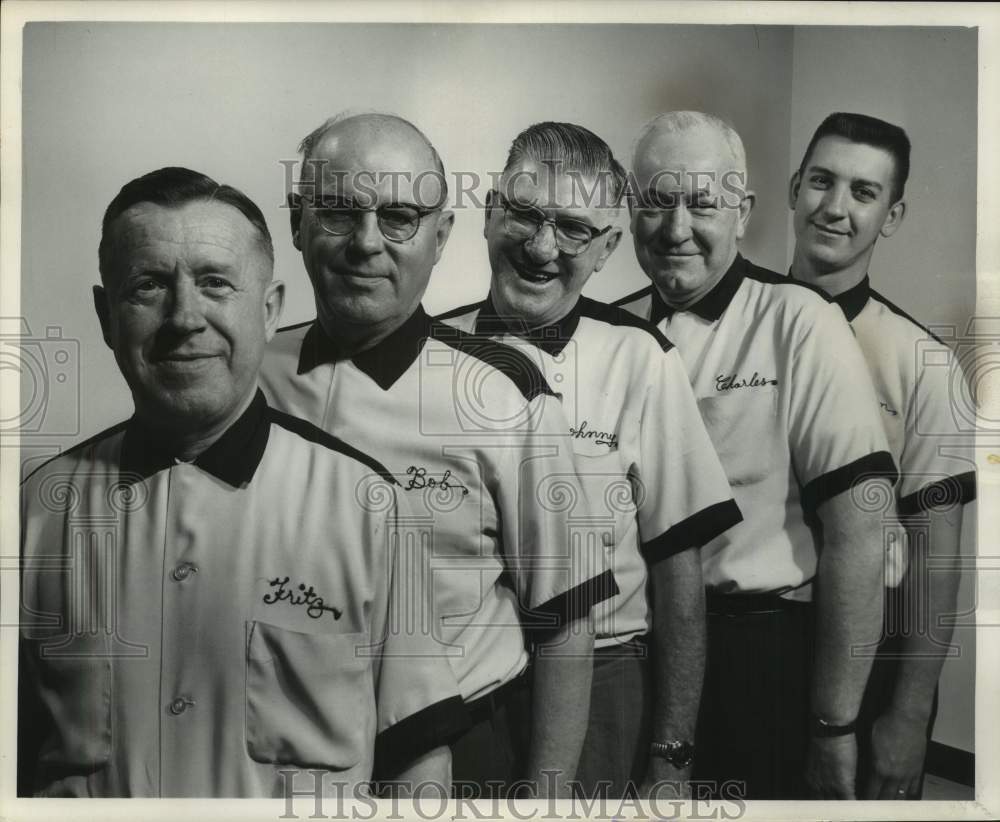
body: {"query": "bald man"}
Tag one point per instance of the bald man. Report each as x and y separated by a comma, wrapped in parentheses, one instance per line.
(785, 396)
(473, 431)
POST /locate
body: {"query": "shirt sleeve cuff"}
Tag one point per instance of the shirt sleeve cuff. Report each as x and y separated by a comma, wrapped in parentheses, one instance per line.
(697, 530)
(945, 493)
(438, 724)
(827, 486)
(572, 604)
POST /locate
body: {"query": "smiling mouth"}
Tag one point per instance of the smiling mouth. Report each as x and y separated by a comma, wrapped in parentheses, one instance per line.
(830, 232)
(184, 360)
(533, 275)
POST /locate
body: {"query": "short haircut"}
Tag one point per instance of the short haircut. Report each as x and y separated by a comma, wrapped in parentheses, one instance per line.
(173, 187)
(576, 149)
(679, 121)
(860, 128)
(308, 143)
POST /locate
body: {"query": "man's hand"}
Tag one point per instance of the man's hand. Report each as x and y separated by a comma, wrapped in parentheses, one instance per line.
(830, 766)
(899, 744)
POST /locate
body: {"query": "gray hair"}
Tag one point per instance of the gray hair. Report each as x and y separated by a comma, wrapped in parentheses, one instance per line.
(680, 121)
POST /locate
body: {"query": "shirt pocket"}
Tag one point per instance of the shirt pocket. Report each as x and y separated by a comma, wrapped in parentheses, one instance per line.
(76, 693)
(309, 697)
(743, 427)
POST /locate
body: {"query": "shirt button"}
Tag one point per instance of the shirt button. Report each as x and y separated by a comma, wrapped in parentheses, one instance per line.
(180, 705)
(183, 570)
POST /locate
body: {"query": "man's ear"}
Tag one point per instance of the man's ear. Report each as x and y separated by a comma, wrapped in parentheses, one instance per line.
(295, 216)
(793, 190)
(103, 312)
(893, 219)
(611, 240)
(445, 221)
(746, 206)
(274, 302)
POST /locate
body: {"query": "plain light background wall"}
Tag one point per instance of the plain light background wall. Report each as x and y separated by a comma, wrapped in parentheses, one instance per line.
(924, 81)
(104, 103)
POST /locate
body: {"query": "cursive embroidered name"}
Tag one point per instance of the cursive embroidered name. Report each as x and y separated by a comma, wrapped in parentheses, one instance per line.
(599, 437)
(419, 479)
(315, 606)
(732, 381)
(888, 410)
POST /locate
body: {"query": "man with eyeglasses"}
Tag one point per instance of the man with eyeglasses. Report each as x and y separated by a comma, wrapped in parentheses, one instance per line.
(786, 398)
(642, 451)
(474, 434)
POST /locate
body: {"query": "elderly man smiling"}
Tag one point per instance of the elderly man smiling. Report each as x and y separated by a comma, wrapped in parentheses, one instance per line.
(207, 609)
(785, 395)
(472, 429)
(641, 448)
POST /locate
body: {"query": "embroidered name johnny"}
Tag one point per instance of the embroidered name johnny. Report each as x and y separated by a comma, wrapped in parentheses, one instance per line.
(584, 432)
(314, 604)
(732, 382)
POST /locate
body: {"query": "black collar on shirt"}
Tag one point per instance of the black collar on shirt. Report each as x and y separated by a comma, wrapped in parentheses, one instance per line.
(551, 339)
(385, 362)
(854, 299)
(232, 458)
(713, 304)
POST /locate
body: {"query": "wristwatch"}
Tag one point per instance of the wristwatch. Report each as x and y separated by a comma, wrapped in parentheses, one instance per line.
(819, 727)
(677, 752)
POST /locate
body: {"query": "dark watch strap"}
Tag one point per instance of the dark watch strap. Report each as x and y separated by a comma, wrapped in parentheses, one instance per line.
(821, 728)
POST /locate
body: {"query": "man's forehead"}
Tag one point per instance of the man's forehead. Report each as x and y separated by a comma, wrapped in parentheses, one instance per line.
(551, 184)
(852, 159)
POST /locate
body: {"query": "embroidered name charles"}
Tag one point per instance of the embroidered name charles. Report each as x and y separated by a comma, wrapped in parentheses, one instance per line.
(315, 606)
(419, 479)
(607, 438)
(731, 382)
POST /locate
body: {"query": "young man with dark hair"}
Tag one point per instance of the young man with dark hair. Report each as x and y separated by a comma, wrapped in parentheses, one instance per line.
(848, 193)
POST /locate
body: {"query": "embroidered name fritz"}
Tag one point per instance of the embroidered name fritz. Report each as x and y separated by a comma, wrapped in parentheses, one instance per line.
(315, 606)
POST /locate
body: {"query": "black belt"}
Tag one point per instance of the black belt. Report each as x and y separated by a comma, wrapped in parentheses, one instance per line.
(740, 604)
(483, 708)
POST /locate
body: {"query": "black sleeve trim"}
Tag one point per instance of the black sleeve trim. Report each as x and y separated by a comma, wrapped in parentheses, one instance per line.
(871, 466)
(945, 493)
(571, 605)
(438, 724)
(697, 530)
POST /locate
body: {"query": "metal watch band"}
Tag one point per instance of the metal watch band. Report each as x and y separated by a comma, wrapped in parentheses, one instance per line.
(677, 752)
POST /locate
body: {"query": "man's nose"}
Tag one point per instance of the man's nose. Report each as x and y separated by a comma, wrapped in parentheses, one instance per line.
(677, 224)
(541, 246)
(367, 236)
(186, 309)
(835, 201)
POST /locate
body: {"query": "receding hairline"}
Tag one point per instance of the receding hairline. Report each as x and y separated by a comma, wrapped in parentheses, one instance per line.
(309, 143)
(684, 121)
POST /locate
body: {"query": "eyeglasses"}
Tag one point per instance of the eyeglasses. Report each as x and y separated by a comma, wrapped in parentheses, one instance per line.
(524, 222)
(398, 222)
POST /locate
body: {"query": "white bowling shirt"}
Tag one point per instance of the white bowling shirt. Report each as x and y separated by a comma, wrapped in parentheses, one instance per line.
(640, 445)
(918, 385)
(477, 439)
(786, 398)
(190, 629)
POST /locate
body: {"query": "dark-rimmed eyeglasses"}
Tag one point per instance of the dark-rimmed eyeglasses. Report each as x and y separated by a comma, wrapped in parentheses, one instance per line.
(524, 222)
(398, 222)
